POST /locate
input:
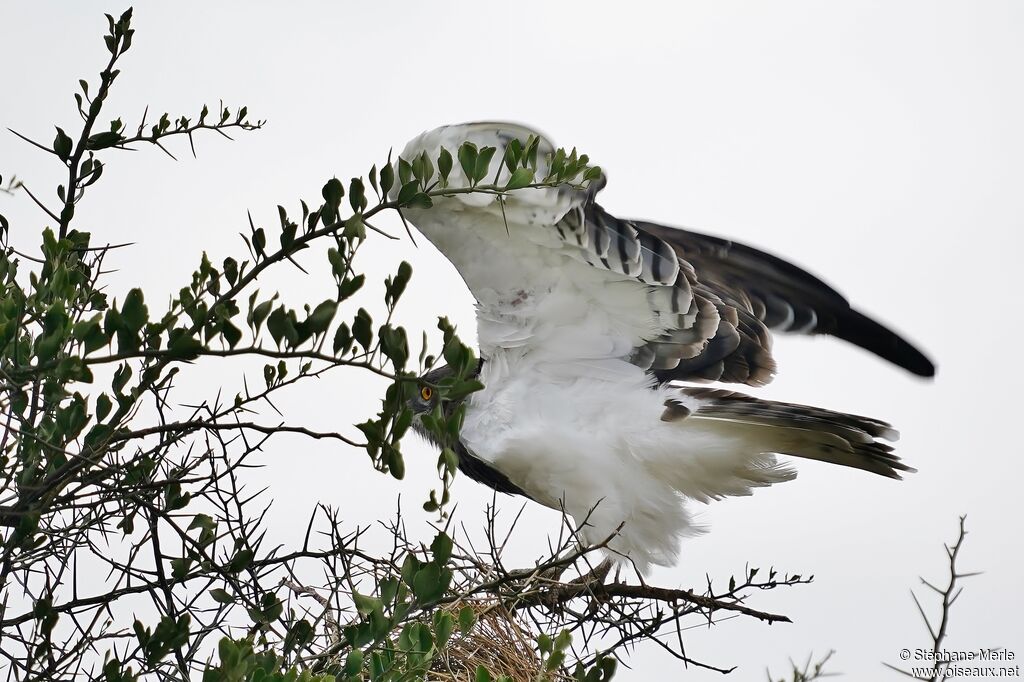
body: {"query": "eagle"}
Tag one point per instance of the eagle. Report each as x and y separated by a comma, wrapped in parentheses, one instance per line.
(598, 337)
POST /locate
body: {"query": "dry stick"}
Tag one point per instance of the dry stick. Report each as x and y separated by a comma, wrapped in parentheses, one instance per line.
(949, 596)
(560, 593)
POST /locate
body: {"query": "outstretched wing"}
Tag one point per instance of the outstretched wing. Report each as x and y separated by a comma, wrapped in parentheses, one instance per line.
(785, 297)
(557, 276)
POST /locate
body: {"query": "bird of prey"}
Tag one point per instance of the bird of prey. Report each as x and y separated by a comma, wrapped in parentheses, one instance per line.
(588, 324)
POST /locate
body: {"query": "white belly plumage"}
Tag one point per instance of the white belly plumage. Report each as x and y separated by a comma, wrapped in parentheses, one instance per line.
(598, 448)
(583, 444)
(564, 414)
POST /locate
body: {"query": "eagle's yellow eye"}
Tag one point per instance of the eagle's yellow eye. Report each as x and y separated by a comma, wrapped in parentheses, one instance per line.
(426, 392)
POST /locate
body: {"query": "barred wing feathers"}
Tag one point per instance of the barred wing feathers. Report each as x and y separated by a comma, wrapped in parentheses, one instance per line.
(785, 297)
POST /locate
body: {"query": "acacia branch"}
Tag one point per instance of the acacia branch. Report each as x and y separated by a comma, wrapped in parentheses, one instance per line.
(202, 425)
(948, 596)
(557, 594)
(107, 77)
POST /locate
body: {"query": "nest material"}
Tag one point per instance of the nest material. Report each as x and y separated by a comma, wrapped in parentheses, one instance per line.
(497, 641)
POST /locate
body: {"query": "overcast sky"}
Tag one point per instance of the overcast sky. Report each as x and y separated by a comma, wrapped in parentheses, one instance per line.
(878, 144)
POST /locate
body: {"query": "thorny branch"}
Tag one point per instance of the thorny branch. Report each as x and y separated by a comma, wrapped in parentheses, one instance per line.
(948, 596)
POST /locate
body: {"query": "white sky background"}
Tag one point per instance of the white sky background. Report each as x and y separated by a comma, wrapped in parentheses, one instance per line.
(879, 144)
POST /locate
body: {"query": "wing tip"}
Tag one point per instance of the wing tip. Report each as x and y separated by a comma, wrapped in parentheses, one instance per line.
(861, 330)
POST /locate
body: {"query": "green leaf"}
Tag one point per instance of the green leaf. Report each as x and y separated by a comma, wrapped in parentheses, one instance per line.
(259, 241)
(320, 319)
(127, 524)
(441, 548)
(103, 406)
(421, 200)
(430, 583)
(408, 191)
(410, 565)
(365, 604)
(463, 388)
(298, 634)
(175, 499)
(532, 145)
(241, 561)
(353, 663)
(592, 173)
(272, 607)
(444, 164)
(348, 287)
(482, 675)
(395, 287)
(426, 173)
(179, 567)
(281, 326)
(388, 590)
(467, 159)
(103, 140)
(337, 261)
(62, 145)
(288, 230)
(221, 596)
(450, 459)
(513, 153)
(544, 643)
(230, 332)
(362, 329)
(357, 195)
(121, 377)
(259, 314)
(373, 179)
(342, 340)
(387, 179)
(483, 163)
(402, 423)
(467, 619)
(404, 171)
(354, 228)
(230, 270)
(183, 345)
(395, 462)
(134, 312)
(332, 193)
(520, 178)
(204, 521)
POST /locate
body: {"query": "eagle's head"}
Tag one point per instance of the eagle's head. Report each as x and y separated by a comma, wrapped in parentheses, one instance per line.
(427, 398)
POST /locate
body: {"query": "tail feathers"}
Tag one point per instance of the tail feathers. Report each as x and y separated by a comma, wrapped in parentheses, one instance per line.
(796, 430)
